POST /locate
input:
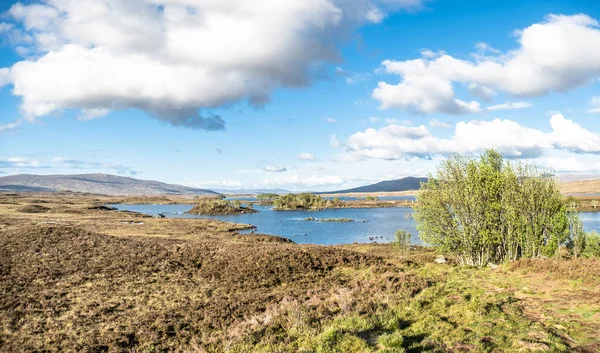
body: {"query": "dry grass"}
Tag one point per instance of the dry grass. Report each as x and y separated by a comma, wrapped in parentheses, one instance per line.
(581, 187)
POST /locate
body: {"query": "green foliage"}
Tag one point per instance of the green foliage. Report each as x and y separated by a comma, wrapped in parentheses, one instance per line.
(267, 197)
(578, 237)
(217, 206)
(402, 241)
(572, 203)
(591, 247)
(250, 206)
(302, 201)
(372, 198)
(336, 200)
(488, 210)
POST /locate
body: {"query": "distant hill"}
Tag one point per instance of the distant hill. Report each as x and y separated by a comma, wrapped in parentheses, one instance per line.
(581, 187)
(404, 184)
(94, 183)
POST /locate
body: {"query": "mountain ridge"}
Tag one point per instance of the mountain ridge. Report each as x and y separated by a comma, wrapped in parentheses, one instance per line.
(395, 185)
(95, 183)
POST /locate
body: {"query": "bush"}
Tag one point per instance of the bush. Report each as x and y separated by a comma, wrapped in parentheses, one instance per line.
(591, 246)
(302, 201)
(488, 210)
(402, 241)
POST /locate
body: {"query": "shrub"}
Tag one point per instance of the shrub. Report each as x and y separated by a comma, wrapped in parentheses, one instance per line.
(402, 241)
(591, 246)
(302, 201)
(488, 210)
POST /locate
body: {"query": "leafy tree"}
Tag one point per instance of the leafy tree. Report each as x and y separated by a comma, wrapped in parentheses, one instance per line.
(592, 245)
(237, 204)
(250, 206)
(577, 243)
(488, 210)
(336, 200)
(594, 203)
(402, 241)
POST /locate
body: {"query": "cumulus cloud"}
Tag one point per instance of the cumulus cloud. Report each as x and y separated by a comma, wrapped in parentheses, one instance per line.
(306, 157)
(79, 164)
(513, 140)
(481, 92)
(440, 124)
(556, 55)
(175, 58)
(275, 168)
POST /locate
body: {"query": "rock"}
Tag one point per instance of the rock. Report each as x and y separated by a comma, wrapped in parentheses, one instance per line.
(440, 259)
(160, 215)
(493, 266)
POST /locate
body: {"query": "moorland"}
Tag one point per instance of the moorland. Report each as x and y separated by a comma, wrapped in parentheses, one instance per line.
(77, 276)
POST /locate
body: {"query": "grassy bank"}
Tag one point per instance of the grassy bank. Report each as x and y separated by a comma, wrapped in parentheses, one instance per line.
(79, 279)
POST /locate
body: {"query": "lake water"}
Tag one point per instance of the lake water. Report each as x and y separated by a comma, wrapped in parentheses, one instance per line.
(343, 198)
(379, 223)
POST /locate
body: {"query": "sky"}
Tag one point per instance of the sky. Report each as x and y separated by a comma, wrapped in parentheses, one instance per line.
(297, 94)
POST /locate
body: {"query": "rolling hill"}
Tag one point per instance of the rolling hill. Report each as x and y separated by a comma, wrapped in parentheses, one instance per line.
(581, 187)
(94, 183)
(404, 184)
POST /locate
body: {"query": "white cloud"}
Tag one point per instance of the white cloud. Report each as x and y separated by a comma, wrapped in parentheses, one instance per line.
(306, 157)
(228, 183)
(374, 119)
(398, 122)
(558, 54)
(69, 163)
(509, 105)
(9, 128)
(481, 92)
(484, 47)
(297, 182)
(595, 103)
(91, 114)
(19, 162)
(431, 54)
(275, 168)
(330, 120)
(175, 58)
(513, 140)
(570, 164)
(440, 124)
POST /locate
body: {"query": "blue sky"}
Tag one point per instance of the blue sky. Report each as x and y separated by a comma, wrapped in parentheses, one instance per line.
(302, 95)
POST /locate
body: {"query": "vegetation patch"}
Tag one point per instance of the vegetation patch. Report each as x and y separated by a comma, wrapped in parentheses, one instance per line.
(213, 207)
(491, 211)
(33, 208)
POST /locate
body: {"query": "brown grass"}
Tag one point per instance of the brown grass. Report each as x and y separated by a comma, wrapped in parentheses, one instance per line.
(581, 187)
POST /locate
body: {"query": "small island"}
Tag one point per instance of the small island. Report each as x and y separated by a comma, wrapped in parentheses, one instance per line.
(312, 202)
(220, 207)
(340, 220)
